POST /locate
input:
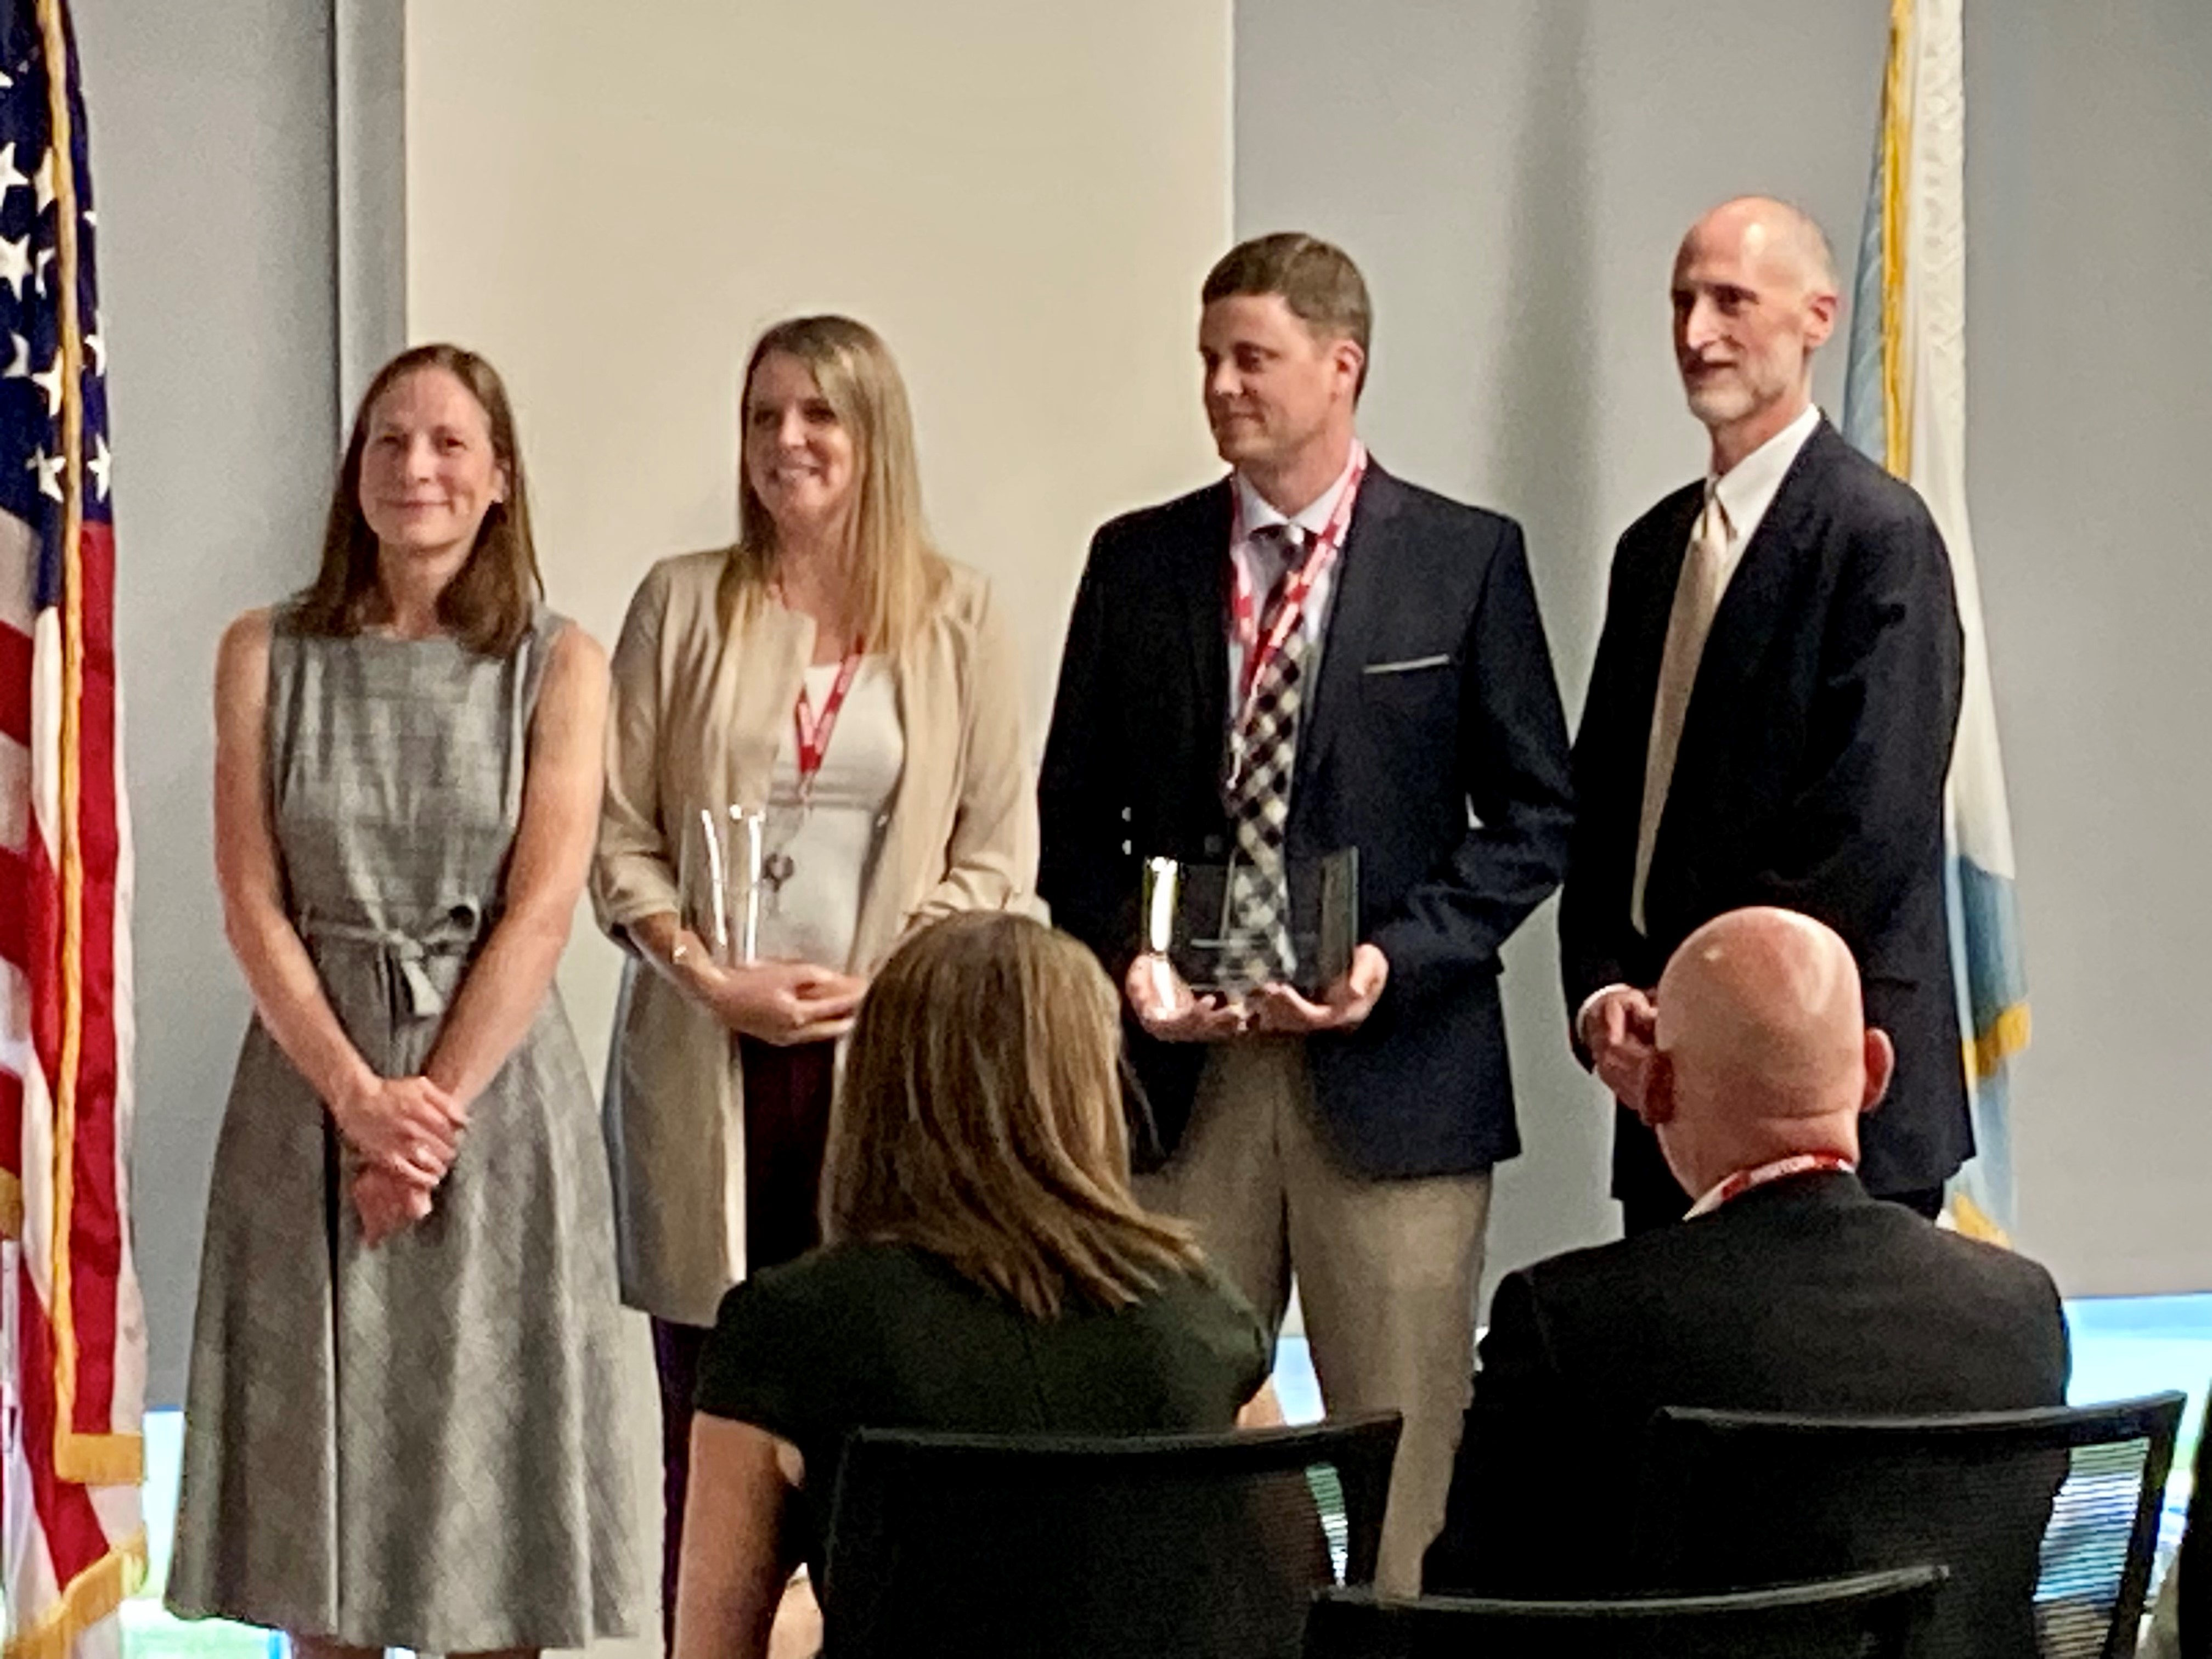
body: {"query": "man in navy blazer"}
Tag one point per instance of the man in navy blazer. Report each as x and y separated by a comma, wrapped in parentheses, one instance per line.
(1347, 1137)
(1771, 714)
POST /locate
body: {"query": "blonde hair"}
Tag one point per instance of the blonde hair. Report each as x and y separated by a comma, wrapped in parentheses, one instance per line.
(980, 1119)
(897, 574)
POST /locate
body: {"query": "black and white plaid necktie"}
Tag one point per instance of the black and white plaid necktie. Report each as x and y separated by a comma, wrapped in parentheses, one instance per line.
(1263, 748)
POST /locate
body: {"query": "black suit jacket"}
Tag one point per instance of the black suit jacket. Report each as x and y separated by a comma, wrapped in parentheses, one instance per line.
(1807, 1296)
(1809, 774)
(1448, 773)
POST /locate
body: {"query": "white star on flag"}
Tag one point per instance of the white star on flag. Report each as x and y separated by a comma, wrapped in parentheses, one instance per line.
(49, 469)
(101, 461)
(50, 384)
(10, 178)
(14, 262)
(43, 181)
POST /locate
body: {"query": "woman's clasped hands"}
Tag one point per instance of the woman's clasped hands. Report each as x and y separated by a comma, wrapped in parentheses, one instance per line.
(784, 1003)
(405, 1131)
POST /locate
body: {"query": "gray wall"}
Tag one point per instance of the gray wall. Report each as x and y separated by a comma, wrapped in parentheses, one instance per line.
(211, 161)
(1513, 175)
(2090, 134)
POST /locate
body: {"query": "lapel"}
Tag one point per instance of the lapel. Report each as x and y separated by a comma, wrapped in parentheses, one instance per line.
(1201, 573)
(757, 675)
(924, 680)
(1758, 595)
(1365, 572)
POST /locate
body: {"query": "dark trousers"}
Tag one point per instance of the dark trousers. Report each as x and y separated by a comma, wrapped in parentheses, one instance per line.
(1651, 1197)
(786, 1126)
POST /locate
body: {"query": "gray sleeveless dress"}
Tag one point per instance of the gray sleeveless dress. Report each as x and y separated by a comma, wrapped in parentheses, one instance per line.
(413, 1446)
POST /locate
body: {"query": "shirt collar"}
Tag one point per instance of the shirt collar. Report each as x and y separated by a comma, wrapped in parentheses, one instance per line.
(1748, 488)
(1259, 514)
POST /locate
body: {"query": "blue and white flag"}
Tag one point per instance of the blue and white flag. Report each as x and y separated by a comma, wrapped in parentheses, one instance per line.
(1904, 404)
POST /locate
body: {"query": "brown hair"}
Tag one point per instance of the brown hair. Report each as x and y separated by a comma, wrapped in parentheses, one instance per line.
(897, 574)
(1316, 280)
(489, 603)
(980, 1119)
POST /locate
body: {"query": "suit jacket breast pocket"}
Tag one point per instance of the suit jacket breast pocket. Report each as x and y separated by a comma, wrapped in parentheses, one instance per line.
(1411, 702)
(1427, 663)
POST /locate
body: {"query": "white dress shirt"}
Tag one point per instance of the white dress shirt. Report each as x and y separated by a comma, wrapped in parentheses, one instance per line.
(1748, 488)
(1262, 564)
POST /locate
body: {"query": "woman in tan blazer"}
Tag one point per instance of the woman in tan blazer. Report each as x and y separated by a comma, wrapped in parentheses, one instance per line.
(833, 670)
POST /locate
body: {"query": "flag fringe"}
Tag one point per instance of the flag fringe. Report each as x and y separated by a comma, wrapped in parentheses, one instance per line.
(94, 1594)
(100, 1459)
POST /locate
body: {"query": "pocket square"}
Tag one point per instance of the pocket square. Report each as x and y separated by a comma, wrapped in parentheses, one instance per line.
(1443, 659)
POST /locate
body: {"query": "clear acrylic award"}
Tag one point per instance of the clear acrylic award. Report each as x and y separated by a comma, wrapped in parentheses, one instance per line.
(723, 881)
(1227, 929)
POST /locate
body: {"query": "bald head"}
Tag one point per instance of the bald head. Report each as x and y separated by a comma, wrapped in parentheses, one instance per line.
(1763, 1044)
(1782, 241)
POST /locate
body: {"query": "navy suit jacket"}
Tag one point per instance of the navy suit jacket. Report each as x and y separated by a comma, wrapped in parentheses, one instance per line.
(1448, 773)
(1809, 774)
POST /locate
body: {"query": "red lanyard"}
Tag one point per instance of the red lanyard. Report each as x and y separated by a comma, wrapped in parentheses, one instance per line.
(1244, 611)
(814, 729)
(1781, 1170)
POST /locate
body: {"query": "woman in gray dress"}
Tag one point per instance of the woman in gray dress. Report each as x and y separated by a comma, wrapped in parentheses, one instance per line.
(399, 1428)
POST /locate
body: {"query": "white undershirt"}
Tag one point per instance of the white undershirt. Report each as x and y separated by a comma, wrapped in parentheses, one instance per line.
(815, 914)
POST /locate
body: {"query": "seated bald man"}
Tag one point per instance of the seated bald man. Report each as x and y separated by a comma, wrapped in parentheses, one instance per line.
(1788, 1289)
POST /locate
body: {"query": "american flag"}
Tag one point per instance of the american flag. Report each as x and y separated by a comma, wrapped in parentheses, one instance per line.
(73, 1365)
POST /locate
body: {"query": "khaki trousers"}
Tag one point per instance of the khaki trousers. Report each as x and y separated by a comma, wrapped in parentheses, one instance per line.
(1387, 1271)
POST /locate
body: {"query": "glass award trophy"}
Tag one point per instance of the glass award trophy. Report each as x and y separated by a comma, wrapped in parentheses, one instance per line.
(1228, 929)
(722, 878)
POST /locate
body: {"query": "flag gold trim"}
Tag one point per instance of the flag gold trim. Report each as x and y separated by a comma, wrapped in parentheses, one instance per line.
(1972, 1221)
(1896, 160)
(62, 1315)
(2003, 1037)
(92, 1595)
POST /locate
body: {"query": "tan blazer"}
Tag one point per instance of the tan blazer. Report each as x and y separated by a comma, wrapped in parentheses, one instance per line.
(696, 721)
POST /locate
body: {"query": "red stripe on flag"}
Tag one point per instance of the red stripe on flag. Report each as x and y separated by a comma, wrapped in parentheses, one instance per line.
(96, 1237)
(15, 907)
(15, 657)
(64, 1511)
(42, 954)
(11, 1124)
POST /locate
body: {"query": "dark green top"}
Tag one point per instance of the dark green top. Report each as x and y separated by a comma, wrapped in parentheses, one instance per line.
(885, 1336)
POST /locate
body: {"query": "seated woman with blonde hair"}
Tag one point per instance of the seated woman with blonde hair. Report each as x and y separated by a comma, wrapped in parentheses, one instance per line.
(986, 1269)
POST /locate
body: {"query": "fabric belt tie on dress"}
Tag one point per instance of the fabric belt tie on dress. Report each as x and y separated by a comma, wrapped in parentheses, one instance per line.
(405, 953)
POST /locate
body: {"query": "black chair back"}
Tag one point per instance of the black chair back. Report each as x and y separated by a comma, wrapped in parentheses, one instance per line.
(1180, 1546)
(1873, 1615)
(2047, 1519)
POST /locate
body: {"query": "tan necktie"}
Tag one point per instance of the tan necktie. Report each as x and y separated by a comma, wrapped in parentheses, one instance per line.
(1697, 596)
